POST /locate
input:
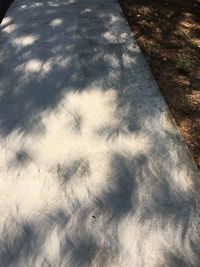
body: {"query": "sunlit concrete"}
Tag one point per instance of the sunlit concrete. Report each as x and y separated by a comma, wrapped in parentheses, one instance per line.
(93, 171)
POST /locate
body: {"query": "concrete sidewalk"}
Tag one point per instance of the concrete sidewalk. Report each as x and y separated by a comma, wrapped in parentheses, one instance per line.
(92, 169)
(4, 5)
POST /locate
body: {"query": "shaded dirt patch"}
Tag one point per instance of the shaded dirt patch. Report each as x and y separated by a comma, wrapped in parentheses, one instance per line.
(168, 33)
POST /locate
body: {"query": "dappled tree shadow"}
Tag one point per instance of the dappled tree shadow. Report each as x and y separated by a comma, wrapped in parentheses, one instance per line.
(102, 180)
(168, 34)
(4, 5)
(48, 63)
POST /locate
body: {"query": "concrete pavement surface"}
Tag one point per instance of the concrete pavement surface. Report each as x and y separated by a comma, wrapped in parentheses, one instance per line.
(4, 5)
(93, 171)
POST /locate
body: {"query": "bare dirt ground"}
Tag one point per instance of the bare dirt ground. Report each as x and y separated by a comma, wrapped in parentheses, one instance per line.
(168, 33)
